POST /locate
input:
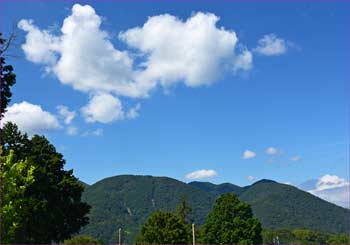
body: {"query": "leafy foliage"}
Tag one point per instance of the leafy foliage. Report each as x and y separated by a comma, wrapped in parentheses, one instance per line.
(83, 240)
(164, 228)
(16, 178)
(297, 236)
(8, 78)
(231, 222)
(339, 239)
(56, 210)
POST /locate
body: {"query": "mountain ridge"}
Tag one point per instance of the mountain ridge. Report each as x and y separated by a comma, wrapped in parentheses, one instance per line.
(126, 201)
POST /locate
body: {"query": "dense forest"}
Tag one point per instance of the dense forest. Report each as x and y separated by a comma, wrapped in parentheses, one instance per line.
(127, 201)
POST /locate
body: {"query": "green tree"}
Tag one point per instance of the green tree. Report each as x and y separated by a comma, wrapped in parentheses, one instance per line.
(164, 228)
(303, 236)
(231, 221)
(83, 239)
(184, 210)
(16, 178)
(339, 239)
(57, 210)
(8, 77)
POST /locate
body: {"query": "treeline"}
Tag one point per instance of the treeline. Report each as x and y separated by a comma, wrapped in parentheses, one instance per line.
(302, 236)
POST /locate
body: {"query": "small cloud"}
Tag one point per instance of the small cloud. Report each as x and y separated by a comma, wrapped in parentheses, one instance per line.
(71, 130)
(271, 151)
(96, 132)
(271, 45)
(201, 174)
(247, 154)
(66, 114)
(103, 108)
(296, 158)
(251, 178)
(133, 112)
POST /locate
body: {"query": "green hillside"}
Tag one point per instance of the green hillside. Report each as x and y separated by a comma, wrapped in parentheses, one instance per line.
(126, 201)
(284, 206)
(217, 190)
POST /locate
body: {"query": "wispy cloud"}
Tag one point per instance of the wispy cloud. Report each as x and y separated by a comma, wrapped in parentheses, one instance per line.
(271, 45)
(201, 174)
(248, 154)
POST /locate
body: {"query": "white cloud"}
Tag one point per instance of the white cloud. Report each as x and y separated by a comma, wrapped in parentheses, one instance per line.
(103, 108)
(296, 158)
(201, 174)
(66, 114)
(330, 181)
(40, 46)
(31, 118)
(247, 154)
(251, 178)
(244, 61)
(133, 112)
(271, 151)
(96, 132)
(333, 189)
(270, 45)
(194, 51)
(72, 130)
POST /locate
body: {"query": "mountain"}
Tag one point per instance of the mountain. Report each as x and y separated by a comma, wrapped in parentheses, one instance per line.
(127, 201)
(217, 190)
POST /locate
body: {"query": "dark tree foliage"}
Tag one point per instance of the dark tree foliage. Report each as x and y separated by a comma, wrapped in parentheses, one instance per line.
(57, 211)
(8, 78)
(339, 239)
(83, 239)
(183, 210)
(296, 236)
(164, 228)
(13, 139)
(231, 222)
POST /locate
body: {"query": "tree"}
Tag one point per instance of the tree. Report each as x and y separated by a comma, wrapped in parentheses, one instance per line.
(16, 178)
(339, 239)
(303, 236)
(231, 221)
(8, 77)
(164, 228)
(183, 210)
(56, 211)
(83, 239)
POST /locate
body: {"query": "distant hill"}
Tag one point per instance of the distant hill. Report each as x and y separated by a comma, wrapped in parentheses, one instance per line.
(217, 190)
(126, 201)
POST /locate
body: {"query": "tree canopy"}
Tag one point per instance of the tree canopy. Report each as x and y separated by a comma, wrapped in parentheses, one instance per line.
(56, 210)
(164, 228)
(16, 178)
(8, 77)
(83, 239)
(231, 221)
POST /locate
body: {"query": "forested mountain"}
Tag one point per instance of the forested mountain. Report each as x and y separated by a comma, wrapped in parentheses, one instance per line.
(126, 201)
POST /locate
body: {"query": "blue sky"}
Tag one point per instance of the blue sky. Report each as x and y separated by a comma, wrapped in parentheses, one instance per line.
(288, 92)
